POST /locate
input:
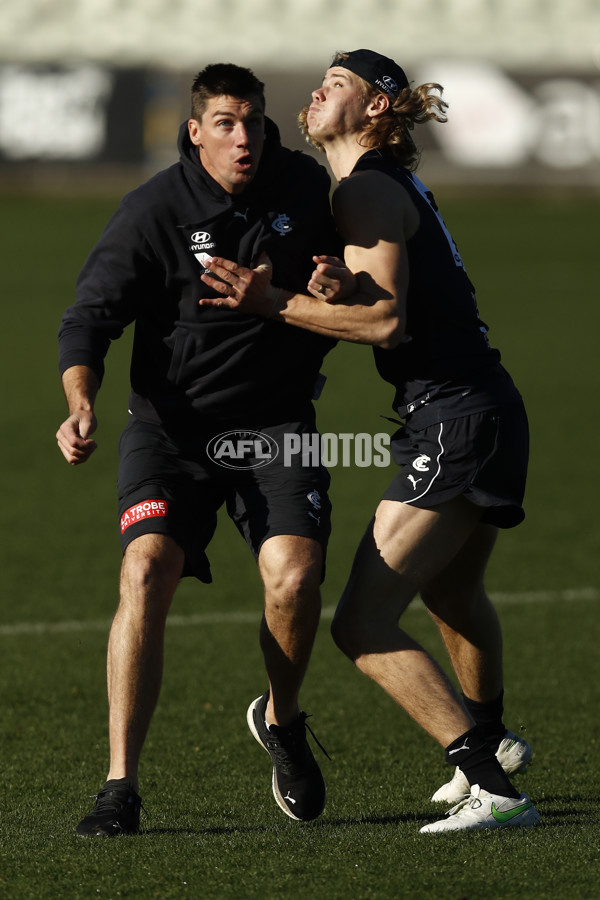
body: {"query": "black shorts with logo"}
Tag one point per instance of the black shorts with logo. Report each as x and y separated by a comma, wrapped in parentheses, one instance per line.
(175, 486)
(482, 456)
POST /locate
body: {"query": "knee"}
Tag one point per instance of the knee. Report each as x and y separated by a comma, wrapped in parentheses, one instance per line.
(150, 572)
(341, 633)
(286, 586)
(348, 632)
(290, 569)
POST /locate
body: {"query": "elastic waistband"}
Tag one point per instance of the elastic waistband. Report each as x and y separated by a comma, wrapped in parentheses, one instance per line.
(421, 415)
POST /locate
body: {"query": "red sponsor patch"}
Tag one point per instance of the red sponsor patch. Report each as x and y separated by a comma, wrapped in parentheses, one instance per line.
(147, 509)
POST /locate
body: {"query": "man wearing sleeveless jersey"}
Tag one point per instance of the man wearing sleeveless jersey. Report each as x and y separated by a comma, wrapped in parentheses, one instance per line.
(197, 374)
(463, 446)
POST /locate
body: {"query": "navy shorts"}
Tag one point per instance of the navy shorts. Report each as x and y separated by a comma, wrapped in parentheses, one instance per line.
(482, 456)
(175, 486)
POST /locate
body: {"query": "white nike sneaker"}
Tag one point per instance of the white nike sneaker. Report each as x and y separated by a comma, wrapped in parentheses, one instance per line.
(513, 754)
(484, 810)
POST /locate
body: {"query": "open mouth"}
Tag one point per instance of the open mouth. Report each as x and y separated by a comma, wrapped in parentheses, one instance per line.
(244, 163)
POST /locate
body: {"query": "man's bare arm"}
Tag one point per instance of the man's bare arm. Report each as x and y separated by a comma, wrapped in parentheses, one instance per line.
(80, 385)
(374, 219)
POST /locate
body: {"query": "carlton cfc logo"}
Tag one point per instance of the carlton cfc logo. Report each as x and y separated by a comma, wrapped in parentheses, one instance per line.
(420, 463)
(282, 224)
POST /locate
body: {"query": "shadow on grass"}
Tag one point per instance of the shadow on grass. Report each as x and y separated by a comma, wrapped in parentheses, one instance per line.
(571, 810)
(566, 810)
(348, 822)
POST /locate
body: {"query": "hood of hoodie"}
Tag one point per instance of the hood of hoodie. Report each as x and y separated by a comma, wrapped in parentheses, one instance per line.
(195, 171)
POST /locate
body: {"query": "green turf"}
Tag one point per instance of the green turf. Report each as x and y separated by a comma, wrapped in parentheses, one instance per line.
(212, 828)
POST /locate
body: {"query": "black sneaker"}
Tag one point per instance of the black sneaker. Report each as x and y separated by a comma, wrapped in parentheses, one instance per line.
(117, 811)
(298, 785)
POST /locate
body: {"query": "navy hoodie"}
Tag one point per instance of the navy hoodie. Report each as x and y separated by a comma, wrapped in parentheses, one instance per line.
(196, 367)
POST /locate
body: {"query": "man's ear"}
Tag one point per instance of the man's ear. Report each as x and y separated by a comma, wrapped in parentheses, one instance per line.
(194, 132)
(378, 105)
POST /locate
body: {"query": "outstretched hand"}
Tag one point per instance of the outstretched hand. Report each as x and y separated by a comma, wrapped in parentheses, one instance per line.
(246, 290)
(332, 280)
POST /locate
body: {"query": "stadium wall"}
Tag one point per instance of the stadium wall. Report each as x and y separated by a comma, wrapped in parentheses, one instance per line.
(505, 127)
(91, 86)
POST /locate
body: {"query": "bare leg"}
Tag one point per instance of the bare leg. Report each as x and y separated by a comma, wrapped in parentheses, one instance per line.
(402, 551)
(291, 571)
(467, 620)
(151, 569)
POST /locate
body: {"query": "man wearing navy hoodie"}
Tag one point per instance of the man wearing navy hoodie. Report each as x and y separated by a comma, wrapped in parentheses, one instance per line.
(206, 383)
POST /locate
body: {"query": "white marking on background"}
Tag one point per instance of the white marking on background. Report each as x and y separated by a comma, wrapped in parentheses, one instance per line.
(568, 595)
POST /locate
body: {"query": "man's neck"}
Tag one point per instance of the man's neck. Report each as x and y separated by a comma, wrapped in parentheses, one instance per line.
(342, 155)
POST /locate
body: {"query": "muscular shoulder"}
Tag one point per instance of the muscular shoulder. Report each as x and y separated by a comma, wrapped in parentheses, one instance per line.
(374, 199)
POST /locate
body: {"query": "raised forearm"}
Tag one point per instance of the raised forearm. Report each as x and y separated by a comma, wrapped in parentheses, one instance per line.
(369, 315)
(359, 319)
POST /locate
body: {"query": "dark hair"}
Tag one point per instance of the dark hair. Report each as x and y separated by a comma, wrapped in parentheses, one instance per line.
(391, 131)
(224, 79)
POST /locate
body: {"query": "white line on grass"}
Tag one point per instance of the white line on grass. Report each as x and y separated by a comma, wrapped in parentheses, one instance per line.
(568, 595)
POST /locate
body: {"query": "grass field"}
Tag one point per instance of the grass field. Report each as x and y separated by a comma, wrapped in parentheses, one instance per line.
(212, 829)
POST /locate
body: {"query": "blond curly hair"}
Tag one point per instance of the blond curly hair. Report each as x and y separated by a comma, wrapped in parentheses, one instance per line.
(391, 131)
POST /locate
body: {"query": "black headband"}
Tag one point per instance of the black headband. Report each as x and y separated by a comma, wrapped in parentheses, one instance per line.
(380, 71)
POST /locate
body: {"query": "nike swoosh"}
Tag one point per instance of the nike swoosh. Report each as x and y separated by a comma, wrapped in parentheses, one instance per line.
(509, 814)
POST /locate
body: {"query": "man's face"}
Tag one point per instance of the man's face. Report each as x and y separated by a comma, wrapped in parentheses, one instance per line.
(230, 140)
(338, 106)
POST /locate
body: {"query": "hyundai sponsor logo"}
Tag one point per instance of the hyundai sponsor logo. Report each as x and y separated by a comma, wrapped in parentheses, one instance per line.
(200, 237)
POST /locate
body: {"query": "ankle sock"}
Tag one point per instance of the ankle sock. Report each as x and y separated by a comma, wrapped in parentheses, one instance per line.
(473, 755)
(488, 717)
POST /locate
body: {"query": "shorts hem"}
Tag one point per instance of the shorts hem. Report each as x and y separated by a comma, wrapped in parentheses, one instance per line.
(201, 572)
(495, 511)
